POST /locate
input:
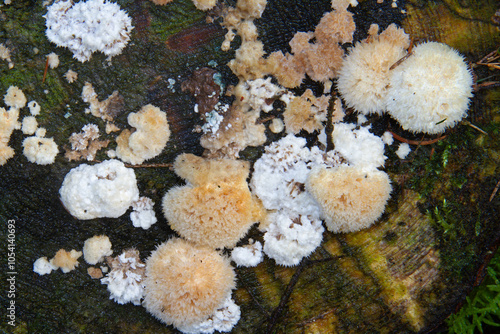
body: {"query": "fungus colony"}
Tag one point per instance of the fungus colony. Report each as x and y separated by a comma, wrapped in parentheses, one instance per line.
(187, 281)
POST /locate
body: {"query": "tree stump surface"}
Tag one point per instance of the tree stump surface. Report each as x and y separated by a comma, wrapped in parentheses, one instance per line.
(405, 274)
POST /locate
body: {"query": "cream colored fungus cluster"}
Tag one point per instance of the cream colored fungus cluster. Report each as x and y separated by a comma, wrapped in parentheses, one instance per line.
(289, 191)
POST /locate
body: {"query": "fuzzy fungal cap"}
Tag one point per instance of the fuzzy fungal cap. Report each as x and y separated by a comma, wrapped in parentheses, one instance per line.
(106, 189)
(15, 97)
(216, 208)
(364, 77)
(350, 198)
(430, 91)
(149, 138)
(88, 26)
(41, 151)
(185, 283)
(96, 248)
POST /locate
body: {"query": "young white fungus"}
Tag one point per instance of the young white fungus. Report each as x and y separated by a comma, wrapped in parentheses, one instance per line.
(53, 60)
(29, 125)
(124, 281)
(430, 91)
(39, 150)
(34, 108)
(360, 147)
(222, 320)
(96, 248)
(42, 266)
(71, 76)
(88, 26)
(14, 97)
(403, 150)
(247, 256)
(106, 189)
(143, 214)
(288, 240)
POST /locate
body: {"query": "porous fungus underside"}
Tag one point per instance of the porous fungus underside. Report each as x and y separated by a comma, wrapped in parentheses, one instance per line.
(462, 168)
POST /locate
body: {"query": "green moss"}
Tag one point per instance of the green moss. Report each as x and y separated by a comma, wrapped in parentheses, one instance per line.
(482, 306)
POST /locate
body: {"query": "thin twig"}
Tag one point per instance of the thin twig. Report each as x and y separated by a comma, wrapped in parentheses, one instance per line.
(417, 142)
(495, 191)
(476, 127)
(46, 68)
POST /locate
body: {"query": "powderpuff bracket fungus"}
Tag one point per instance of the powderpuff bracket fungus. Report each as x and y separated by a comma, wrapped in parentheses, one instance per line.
(363, 78)
(216, 207)
(350, 198)
(106, 189)
(431, 89)
(185, 283)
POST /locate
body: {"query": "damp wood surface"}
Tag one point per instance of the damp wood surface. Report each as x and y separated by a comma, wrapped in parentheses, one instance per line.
(405, 274)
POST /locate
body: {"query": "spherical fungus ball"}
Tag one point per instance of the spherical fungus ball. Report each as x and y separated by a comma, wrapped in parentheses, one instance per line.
(185, 283)
(350, 198)
(430, 90)
(364, 76)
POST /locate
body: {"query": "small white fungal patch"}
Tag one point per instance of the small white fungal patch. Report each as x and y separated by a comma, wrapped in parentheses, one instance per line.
(248, 255)
(403, 150)
(53, 60)
(143, 214)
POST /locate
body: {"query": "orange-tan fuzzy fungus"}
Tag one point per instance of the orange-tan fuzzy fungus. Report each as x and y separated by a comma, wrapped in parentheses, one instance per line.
(306, 112)
(350, 198)
(216, 208)
(8, 123)
(149, 138)
(321, 59)
(65, 260)
(364, 79)
(185, 283)
(249, 63)
(286, 68)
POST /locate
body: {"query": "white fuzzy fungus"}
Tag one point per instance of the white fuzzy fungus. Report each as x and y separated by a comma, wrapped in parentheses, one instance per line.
(359, 146)
(222, 320)
(88, 26)
(143, 214)
(403, 150)
(288, 240)
(430, 91)
(248, 255)
(29, 125)
(106, 189)
(96, 248)
(42, 266)
(124, 281)
(40, 150)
